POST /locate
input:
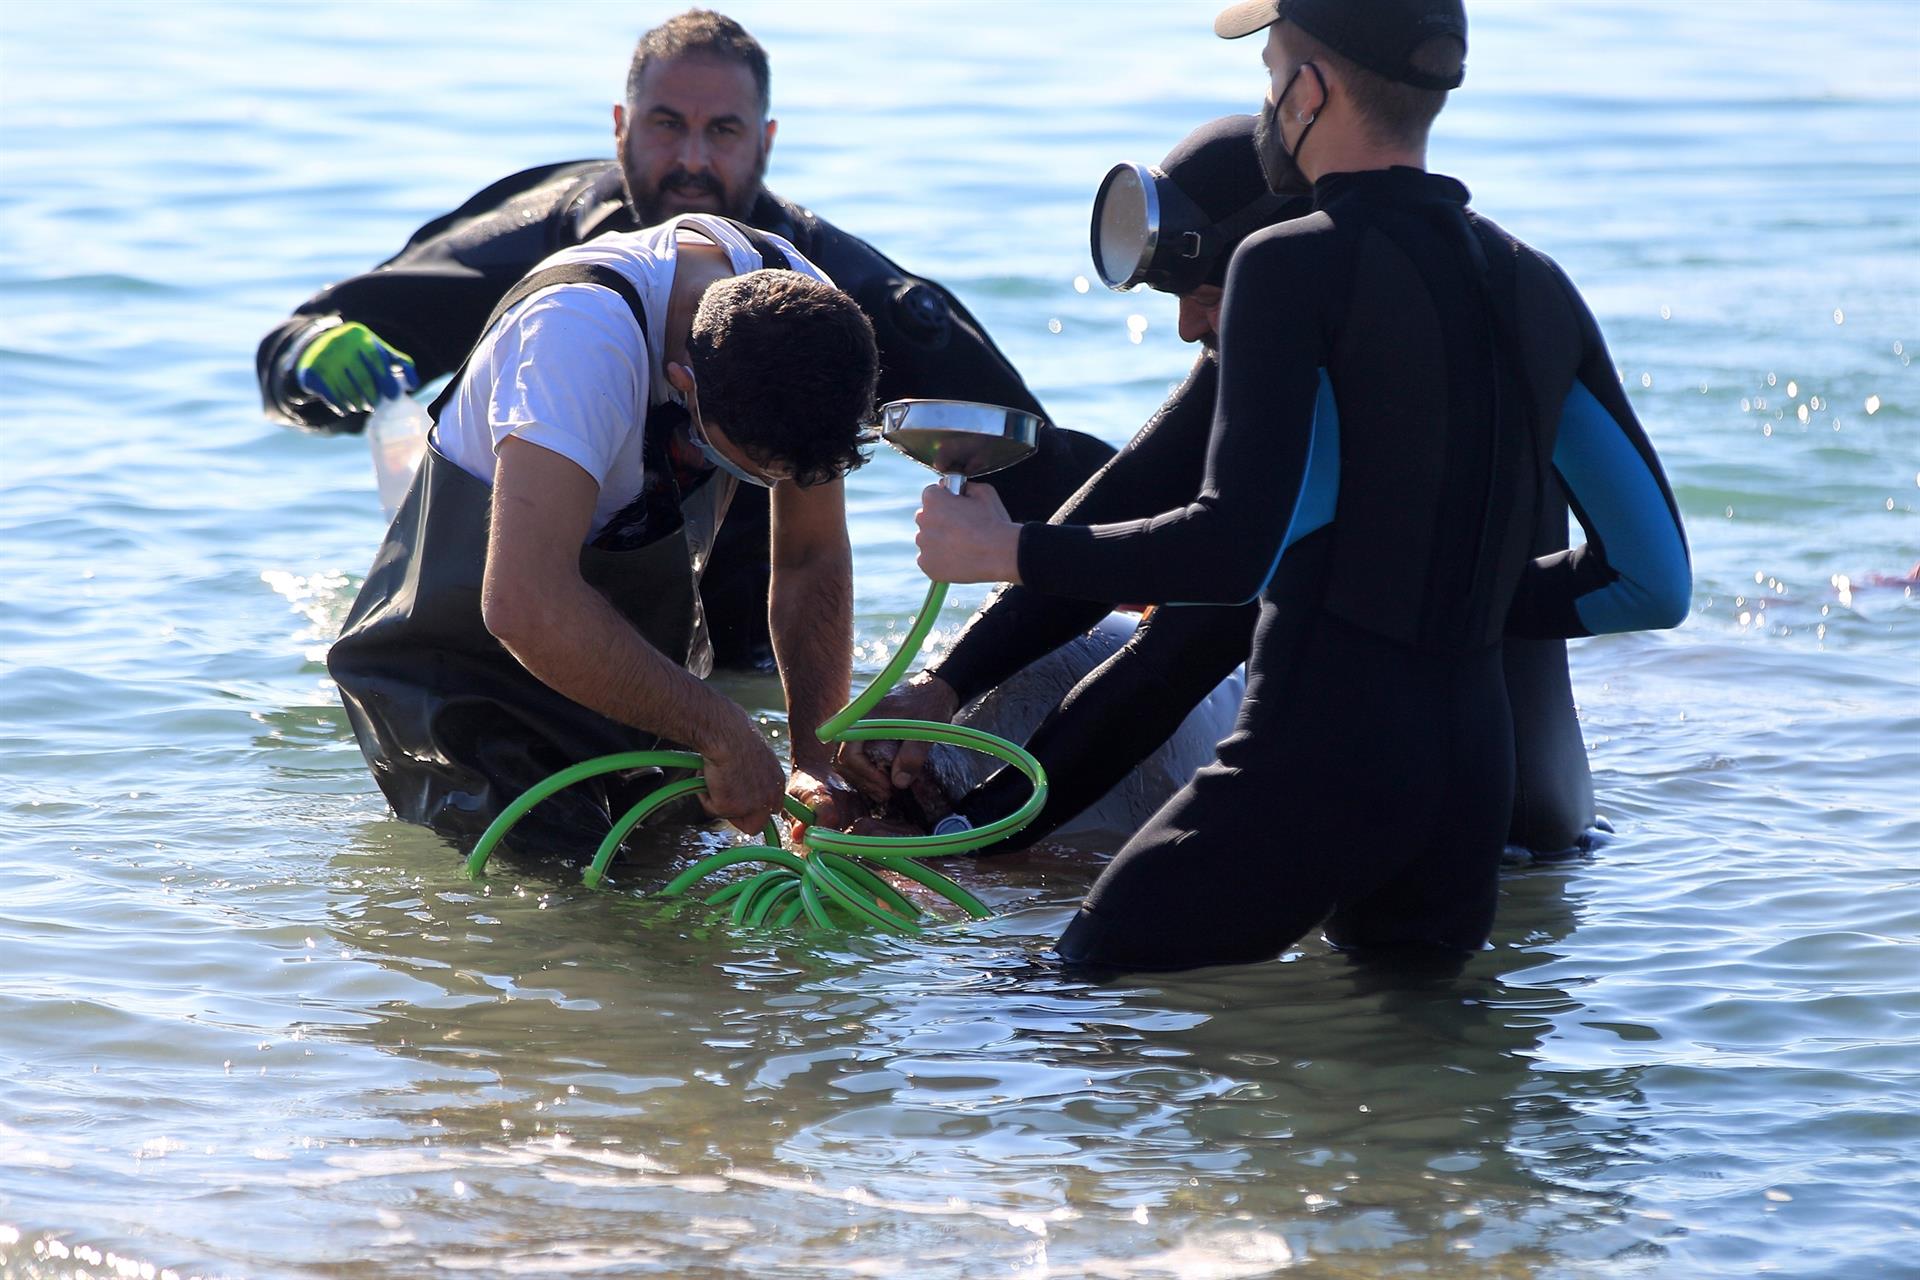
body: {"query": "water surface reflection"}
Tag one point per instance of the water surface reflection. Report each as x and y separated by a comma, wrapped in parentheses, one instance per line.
(623, 1079)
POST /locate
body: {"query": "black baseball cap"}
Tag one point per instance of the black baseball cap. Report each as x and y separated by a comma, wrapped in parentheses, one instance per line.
(1380, 35)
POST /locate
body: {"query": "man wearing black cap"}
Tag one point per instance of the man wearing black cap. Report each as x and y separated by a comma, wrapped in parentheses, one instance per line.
(1399, 380)
(1116, 716)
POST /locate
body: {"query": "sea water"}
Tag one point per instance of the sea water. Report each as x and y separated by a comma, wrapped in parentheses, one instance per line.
(250, 1025)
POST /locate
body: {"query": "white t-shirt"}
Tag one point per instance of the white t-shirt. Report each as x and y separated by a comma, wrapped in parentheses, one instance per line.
(565, 368)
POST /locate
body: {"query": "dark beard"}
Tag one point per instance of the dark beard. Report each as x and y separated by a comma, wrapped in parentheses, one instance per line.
(1284, 177)
(649, 204)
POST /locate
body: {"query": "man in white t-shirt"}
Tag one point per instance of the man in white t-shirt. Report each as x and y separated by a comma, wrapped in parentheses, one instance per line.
(591, 444)
(693, 133)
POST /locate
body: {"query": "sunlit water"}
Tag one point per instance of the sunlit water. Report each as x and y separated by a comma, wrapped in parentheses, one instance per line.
(249, 1025)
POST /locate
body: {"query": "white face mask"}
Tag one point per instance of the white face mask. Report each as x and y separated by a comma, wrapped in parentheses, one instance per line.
(727, 464)
(697, 433)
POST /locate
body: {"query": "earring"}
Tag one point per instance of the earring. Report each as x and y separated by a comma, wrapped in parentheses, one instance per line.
(1304, 117)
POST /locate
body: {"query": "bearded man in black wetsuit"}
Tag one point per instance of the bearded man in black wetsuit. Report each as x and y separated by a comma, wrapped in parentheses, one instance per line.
(1399, 379)
(693, 136)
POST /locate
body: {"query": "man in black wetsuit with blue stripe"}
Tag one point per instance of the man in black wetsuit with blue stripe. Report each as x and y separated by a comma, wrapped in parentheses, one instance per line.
(1208, 194)
(1399, 379)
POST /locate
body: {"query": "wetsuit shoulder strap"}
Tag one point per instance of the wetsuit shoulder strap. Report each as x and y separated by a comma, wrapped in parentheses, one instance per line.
(533, 282)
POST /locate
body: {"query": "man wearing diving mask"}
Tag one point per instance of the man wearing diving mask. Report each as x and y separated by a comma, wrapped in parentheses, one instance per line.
(1148, 230)
(1193, 208)
(1399, 381)
(1175, 227)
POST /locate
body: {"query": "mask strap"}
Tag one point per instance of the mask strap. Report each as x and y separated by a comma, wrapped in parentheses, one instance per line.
(1309, 118)
(1280, 103)
(1249, 218)
(728, 465)
(697, 436)
(1306, 117)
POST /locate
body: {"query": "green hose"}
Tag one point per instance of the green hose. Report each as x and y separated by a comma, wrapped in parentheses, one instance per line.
(836, 726)
(830, 887)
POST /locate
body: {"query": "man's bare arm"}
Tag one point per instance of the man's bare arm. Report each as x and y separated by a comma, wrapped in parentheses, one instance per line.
(570, 638)
(810, 611)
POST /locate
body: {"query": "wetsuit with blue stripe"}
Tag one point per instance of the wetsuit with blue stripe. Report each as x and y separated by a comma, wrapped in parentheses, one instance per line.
(1400, 381)
(1121, 712)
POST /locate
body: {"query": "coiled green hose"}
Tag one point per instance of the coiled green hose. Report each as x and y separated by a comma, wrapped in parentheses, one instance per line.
(835, 883)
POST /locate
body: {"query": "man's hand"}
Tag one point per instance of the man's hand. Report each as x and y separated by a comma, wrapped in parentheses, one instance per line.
(744, 779)
(878, 768)
(834, 803)
(966, 538)
(351, 369)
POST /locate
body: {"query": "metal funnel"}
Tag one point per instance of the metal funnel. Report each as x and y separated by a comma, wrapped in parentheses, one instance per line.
(959, 438)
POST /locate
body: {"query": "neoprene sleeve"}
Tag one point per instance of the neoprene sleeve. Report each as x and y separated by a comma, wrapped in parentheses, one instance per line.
(1634, 570)
(1118, 716)
(1160, 466)
(1221, 546)
(431, 298)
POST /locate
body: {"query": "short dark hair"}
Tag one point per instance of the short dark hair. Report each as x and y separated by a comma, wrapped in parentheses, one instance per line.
(786, 365)
(1393, 112)
(707, 34)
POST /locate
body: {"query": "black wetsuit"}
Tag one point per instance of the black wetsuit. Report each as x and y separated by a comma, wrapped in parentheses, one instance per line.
(431, 299)
(1399, 380)
(1123, 711)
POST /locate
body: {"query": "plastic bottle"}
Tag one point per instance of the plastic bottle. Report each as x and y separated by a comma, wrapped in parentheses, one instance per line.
(397, 434)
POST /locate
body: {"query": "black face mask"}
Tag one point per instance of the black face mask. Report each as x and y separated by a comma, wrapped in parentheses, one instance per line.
(1282, 167)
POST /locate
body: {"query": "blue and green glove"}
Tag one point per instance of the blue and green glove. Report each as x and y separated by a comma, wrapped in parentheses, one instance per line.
(351, 369)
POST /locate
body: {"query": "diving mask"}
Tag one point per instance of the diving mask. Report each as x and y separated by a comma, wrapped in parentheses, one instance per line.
(1146, 230)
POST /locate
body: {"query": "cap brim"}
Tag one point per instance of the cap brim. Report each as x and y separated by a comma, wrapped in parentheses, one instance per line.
(1246, 18)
